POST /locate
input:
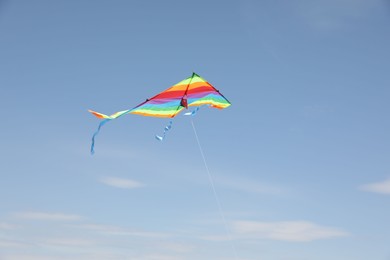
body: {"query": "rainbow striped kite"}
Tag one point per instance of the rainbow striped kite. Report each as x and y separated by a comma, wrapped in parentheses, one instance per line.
(194, 91)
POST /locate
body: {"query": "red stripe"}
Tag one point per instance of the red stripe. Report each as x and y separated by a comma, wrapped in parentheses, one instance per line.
(194, 88)
(204, 88)
(170, 94)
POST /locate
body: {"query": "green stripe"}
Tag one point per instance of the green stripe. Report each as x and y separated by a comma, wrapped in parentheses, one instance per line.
(214, 99)
(195, 79)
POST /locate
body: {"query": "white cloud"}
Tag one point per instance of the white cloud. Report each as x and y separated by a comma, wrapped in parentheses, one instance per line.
(249, 186)
(70, 242)
(121, 183)
(217, 238)
(11, 244)
(176, 247)
(47, 216)
(294, 231)
(114, 230)
(378, 187)
(161, 257)
(31, 257)
(7, 226)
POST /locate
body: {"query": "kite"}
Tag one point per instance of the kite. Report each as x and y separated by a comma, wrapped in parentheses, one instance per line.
(193, 91)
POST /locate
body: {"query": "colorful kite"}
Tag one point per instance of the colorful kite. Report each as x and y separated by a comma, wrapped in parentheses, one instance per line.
(191, 92)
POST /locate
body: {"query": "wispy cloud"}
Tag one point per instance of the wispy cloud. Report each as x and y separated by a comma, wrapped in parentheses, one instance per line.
(249, 186)
(7, 226)
(32, 215)
(121, 183)
(377, 187)
(21, 256)
(70, 242)
(161, 257)
(294, 231)
(217, 238)
(177, 247)
(115, 230)
(6, 243)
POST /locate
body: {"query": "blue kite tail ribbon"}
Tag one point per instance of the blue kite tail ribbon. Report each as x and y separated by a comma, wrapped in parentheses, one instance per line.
(96, 133)
(166, 129)
(192, 113)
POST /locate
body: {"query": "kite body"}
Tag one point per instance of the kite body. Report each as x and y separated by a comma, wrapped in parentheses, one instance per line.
(193, 91)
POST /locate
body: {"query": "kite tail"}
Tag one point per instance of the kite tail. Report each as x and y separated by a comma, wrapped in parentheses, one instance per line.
(166, 129)
(96, 133)
(193, 112)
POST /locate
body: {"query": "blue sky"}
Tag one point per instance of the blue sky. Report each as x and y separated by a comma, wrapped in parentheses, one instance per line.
(300, 161)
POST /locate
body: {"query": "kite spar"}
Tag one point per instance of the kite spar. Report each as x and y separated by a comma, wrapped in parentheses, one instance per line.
(193, 91)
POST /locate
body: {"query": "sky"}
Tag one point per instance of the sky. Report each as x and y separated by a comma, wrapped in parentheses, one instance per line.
(299, 161)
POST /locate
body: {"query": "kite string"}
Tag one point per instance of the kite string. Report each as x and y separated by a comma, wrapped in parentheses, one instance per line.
(214, 190)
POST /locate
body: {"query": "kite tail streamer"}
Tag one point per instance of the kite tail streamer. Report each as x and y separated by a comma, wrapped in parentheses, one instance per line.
(166, 129)
(192, 113)
(215, 192)
(96, 133)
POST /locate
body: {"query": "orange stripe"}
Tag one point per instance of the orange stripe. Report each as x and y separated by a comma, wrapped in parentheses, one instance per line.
(184, 87)
(98, 115)
(153, 115)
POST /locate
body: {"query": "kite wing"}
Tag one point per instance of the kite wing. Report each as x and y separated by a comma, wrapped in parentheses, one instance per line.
(193, 91)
